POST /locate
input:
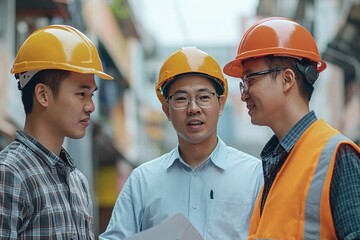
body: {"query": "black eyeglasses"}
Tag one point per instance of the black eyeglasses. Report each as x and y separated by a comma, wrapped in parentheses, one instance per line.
(244, 85)
(180, 101)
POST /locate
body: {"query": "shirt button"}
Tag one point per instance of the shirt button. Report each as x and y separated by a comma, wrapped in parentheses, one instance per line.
(194, 206)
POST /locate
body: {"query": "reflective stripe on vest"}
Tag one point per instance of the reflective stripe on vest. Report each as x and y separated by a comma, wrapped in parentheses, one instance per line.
(312, 206)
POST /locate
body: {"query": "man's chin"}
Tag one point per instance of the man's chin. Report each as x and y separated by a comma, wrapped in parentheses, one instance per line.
(76, 136)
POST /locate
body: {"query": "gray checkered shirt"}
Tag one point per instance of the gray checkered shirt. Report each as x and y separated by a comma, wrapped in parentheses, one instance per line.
(42, 195)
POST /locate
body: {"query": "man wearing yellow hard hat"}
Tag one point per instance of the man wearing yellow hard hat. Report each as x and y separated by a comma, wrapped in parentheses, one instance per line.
(312, 172)
(42, 194)
(213, 185)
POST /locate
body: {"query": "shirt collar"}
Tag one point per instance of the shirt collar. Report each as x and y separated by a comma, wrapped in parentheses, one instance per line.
(48, 156)
(290, 139)
(217, 157)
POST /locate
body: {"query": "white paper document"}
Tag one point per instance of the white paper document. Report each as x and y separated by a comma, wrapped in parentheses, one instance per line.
(176, 227)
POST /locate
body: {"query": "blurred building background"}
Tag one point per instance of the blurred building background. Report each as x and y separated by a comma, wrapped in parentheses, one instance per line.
(129, 127)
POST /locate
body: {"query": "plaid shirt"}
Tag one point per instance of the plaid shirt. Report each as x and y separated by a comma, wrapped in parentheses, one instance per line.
(42, 195)
(345, 183)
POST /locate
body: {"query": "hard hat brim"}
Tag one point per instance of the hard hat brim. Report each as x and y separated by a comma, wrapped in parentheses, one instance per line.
(234, 68)
(25, 67)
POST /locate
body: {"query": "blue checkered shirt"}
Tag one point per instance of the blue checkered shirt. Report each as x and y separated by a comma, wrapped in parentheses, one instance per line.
(42, 195)
(345, 184)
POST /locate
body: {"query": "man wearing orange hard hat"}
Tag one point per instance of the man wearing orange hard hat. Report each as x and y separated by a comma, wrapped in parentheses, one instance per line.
(42, 194)
(213, 185)
(311, 171)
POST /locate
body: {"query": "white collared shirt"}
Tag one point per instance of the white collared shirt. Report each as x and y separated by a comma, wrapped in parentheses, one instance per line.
(164, 186)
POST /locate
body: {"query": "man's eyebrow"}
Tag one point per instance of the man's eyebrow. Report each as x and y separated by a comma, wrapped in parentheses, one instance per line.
(247, 72)
(180, 91)
(198, 90)
(86, 86)
(204, 90)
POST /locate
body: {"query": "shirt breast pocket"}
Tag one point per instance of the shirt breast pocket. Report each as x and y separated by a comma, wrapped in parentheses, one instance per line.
(227, 219)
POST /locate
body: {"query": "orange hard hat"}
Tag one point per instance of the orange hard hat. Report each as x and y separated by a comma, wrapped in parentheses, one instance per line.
(276, 36)
(189, 60)
(59, 47)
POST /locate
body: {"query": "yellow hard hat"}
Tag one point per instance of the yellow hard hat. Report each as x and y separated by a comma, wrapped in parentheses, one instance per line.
(189, 60)
(59, 47)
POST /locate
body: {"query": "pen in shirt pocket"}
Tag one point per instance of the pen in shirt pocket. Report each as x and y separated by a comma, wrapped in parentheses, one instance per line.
(211, 194)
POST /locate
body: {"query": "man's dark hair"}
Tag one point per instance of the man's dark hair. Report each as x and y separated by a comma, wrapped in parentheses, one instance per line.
(306, 89)
(50, 77)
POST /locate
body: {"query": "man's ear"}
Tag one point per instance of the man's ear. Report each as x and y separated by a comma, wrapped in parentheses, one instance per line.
(289, 79)
(222, 100)
(41, 94)
(165, 108)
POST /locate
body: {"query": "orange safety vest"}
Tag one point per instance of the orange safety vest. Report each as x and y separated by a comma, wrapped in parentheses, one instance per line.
(298, 204)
